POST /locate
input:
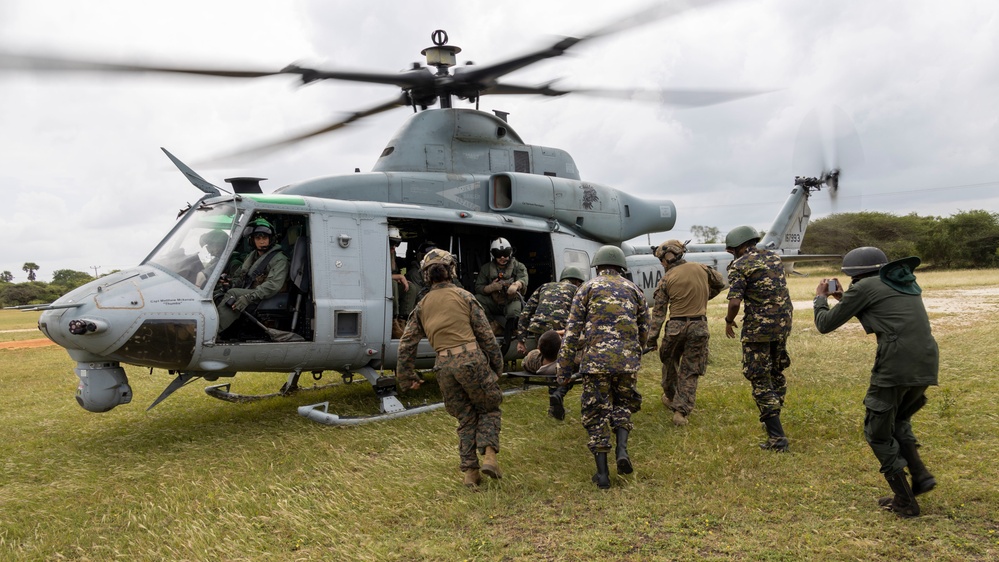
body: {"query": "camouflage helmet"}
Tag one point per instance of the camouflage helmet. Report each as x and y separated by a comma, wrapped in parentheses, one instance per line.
(438, 256)
(572, 272)
(674, 247)
(740, 235)
(609, 255)
(859, 261)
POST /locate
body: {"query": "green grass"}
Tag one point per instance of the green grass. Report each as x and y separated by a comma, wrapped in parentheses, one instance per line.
(200, 479)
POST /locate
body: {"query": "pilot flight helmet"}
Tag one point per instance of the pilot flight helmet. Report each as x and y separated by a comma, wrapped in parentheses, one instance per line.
(395, 237)
(262, 226)
(609, 255)
(572, 272)
(740, 235)
(501, 248)
(860, 261)
(675, 247)
(214, 238)
(434, 257)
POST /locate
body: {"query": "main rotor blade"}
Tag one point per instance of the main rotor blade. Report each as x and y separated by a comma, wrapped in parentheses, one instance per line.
(653, 13)
(12, 61)
(670, 96)
(402, 100)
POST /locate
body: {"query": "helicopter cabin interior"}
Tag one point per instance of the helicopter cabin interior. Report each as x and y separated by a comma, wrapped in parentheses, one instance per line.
(292, 309)
(469, 244)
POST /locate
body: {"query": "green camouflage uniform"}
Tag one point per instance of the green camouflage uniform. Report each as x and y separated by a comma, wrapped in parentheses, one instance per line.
(607, 329)
(683, 294)
(468, 379)
(264, 286)
(757, 277)
(907, 358)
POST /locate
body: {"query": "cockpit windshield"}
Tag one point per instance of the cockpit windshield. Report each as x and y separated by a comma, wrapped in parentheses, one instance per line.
(197, 247)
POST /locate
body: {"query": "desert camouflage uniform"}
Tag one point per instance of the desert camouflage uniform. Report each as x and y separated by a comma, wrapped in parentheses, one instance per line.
(449, 316)
(607, 328)
(757, 278)
(683, 293)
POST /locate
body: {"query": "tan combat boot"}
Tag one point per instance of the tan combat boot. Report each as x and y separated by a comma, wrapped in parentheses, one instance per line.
(679, 419)
(472, 478)
(489, 465)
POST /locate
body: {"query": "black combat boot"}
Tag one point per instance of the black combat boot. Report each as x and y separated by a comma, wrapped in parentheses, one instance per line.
(922, 480)
(508, 332)
(623, 462)
(903, 503)
(602, 477)
(556, 407)
(776, 441)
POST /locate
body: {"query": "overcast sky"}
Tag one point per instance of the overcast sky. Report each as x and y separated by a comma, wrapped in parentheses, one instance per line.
(91, 191)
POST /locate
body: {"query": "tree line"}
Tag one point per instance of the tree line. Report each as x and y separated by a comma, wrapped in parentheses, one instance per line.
(966, 240)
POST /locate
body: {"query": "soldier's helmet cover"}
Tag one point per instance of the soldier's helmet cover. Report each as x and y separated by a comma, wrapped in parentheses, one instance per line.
(610, 255)
(866, 259)
(438, 256)
(572, 272)
(740, 235)
(675, 247)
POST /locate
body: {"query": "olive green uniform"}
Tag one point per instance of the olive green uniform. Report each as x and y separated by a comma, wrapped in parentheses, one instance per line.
(906, 362)
(499, 303)
(263, 285)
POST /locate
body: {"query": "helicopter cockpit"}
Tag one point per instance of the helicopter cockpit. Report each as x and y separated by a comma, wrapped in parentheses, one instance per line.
(195, 248)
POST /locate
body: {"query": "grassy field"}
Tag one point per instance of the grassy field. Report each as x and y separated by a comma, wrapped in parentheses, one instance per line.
(200, 479)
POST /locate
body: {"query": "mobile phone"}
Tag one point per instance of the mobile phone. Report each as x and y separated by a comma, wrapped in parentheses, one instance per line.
(832, 285)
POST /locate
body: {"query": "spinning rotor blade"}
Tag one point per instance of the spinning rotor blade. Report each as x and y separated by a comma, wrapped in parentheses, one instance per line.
(11, 61)
(402, 100)
(670, 96)
(488, 74)
(826, 141)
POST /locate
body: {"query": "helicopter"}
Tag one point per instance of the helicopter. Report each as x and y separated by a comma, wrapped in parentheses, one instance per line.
(458, 176)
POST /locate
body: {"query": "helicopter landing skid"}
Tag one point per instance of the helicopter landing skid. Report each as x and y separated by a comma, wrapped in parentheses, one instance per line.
(221, 391)
(390, 408)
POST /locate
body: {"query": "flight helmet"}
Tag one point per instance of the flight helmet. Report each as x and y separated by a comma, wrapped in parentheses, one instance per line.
(501, 247)
(395, 237)
(262, 226)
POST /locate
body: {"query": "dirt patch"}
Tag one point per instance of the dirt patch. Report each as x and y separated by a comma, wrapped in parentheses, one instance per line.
(949, 301)
(26, 344)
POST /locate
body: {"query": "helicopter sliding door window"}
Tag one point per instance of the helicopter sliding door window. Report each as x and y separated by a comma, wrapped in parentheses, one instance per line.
(347, 324)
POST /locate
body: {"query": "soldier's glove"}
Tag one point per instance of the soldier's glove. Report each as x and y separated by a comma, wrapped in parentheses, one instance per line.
(492, 287)
(241, 303)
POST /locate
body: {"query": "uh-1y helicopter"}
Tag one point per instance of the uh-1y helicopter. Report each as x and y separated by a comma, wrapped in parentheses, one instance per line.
(458, 176)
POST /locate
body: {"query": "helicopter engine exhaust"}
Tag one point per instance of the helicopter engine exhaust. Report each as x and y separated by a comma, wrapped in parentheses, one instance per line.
(102, 386)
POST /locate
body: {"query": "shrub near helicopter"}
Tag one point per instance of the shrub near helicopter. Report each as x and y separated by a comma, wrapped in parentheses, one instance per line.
(460, 177)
